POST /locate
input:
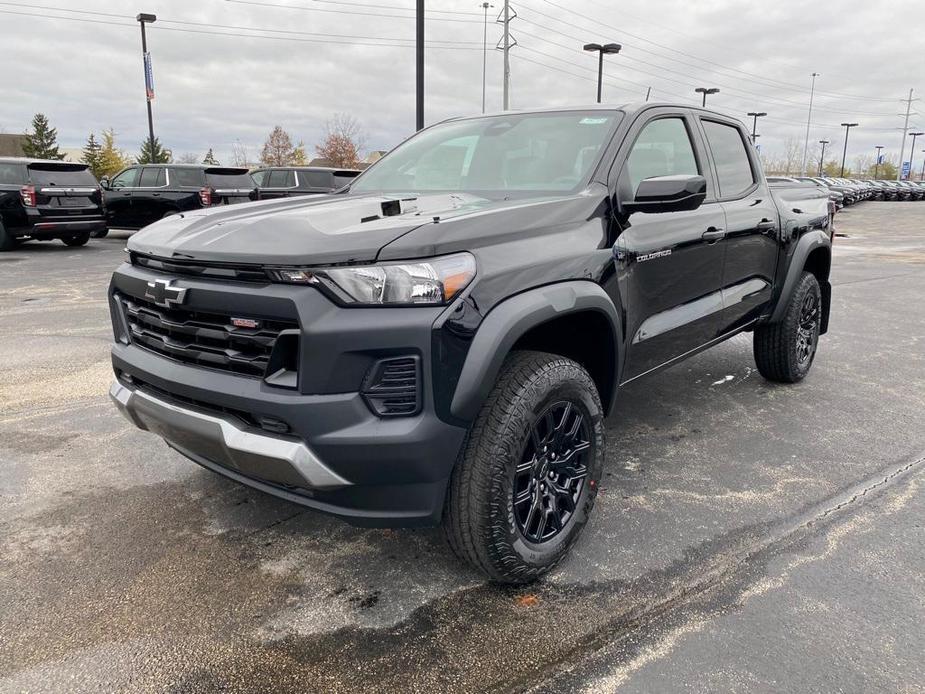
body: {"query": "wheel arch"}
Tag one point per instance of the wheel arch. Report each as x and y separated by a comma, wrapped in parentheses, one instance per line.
(543, 319)
(813, 253)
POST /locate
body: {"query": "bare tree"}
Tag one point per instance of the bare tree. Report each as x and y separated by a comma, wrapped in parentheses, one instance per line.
(238, 154)
(188, 158)
(343, 141)
(278, 149)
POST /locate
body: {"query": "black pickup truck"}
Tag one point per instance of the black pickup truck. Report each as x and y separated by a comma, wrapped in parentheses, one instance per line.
(47, 199)
(442, 340)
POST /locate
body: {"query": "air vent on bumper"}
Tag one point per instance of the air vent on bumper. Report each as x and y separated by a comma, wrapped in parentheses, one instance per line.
(392, 388)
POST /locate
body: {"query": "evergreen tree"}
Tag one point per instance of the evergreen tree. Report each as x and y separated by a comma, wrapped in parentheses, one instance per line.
(111, 159)
(210, 158)
(91, 155)
(41, 143)
(153, 153)
(299, 158)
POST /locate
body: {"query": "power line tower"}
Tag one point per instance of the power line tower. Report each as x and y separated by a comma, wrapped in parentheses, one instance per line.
(902, 149)
(506, 44)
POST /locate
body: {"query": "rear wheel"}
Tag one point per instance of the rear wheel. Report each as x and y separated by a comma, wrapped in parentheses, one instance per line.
(79, 240)
(8, 242)
(527, 477)
(784, 351)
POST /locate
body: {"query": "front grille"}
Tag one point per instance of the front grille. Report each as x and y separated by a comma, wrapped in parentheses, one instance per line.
(240, 272)
(392, 387)
(203, 339)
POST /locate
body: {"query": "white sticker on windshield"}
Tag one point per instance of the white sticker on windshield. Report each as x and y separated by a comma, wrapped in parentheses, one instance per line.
(592, 121)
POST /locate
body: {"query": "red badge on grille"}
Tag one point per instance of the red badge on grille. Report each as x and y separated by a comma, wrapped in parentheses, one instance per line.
(245, 323)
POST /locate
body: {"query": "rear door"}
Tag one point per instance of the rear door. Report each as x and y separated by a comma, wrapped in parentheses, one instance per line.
(64, 190)
(753, 234)
(669, 264)
(149, 202)
(118, 198)
(278, 183)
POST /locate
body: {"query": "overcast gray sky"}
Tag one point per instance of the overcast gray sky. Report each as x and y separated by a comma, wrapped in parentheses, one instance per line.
(297, 62)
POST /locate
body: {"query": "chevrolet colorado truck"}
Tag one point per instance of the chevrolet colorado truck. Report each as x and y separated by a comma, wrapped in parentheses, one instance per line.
(441, 341)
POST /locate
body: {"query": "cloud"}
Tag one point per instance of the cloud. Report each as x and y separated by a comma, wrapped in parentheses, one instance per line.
(215, 90)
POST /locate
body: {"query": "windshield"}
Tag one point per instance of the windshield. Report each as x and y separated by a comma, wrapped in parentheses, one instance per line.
(552, 152)
(51, 175)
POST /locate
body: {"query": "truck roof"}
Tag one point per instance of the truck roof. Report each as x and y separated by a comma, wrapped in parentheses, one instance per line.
(30, 160)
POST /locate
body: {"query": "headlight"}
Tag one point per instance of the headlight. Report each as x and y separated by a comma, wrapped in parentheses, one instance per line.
(430, 282)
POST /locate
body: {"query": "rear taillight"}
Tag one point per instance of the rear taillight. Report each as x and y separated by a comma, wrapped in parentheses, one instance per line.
(205, 196)
(28, 195)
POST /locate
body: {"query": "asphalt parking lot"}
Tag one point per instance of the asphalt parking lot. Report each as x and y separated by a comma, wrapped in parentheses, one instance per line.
(748, 536)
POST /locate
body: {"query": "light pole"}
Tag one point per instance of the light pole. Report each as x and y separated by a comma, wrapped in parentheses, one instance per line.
(149, 80)
(877, 162)
(922, 175)
(419, 65)
(809, 118)
(601, 50)
(485, 7)
(705, 91)
(755, 116)
(847, 127)
(912, 152)
(822, 156)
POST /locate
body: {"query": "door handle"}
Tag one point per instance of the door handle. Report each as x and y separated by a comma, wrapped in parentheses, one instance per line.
(713, 234)
(766, 225)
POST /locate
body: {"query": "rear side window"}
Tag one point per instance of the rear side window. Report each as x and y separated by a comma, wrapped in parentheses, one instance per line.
(152, 178)
(12, 173)
(663, 148)
(343, 178)
(259, 177)
(317, 179)
(281, 179)
(733, 168)
(51, 175)
(187, 178)
(229, 178)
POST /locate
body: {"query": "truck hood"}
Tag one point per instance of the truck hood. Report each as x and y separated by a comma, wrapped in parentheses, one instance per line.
(301, 231)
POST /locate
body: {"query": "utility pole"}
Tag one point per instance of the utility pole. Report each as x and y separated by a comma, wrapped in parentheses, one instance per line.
(877, 162)
(822, 156)
(902, 149)
(809, 118)
(149, 77)
(847, 127)
(507, 55)
(419, 65)
(485, 7)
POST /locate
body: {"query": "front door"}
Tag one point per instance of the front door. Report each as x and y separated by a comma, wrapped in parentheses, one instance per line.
(670, 264)
(119, 212)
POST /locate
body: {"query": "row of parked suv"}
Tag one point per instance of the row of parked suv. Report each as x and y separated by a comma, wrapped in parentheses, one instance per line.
(44, 200)
(847, 191)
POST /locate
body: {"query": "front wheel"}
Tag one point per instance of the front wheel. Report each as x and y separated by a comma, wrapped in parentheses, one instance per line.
(527, 476)
(784, 351)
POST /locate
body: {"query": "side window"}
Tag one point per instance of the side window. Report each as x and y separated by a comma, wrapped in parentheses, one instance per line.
(259, 176)
(663, 148)
(183, 177)
(126, 179)
(733, 168)
(318, 179)
(11, 173)
(280, 179)
(151, 178)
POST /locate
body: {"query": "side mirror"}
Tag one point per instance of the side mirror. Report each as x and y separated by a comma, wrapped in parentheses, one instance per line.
(668, 194)
(104, 183)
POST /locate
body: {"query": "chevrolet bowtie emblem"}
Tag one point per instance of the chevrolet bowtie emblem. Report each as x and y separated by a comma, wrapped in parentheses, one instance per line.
(163, 293)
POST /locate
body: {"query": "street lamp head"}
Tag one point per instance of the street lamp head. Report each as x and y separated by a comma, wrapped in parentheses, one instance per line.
(611, 48)
(757, 114)
(849, 125)
(149, 18)
(917, 134)
(593, 47)
(823, 142)
(704, 90)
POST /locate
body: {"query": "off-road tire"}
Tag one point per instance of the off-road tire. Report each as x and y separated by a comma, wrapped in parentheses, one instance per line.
(8, 242)
(777, 345)
(479, 517)
(79, 240)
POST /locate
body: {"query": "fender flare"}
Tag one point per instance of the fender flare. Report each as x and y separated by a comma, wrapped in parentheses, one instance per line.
(806, 245)
(510, 320)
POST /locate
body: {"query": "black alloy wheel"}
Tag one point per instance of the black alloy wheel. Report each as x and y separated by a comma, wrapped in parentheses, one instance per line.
(808, 330)
(552, 471)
